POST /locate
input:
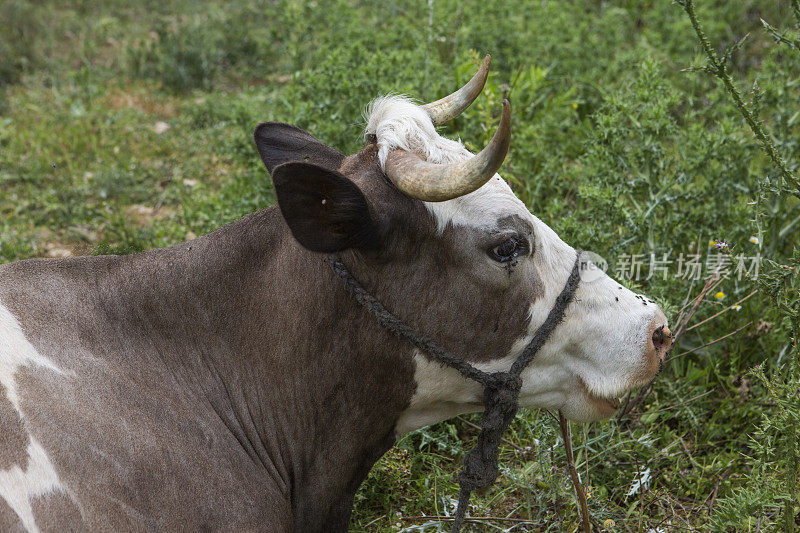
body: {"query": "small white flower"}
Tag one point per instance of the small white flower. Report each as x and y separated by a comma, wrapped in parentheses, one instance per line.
(755, 240)
(736, 307)
(160, 127)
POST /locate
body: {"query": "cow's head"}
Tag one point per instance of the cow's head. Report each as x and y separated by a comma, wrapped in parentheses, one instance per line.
(442, 241)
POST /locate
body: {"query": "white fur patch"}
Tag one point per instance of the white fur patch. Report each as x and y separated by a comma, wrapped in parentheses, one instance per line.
(398, 122)
(17, 486)
(16, 351)
(443, 393)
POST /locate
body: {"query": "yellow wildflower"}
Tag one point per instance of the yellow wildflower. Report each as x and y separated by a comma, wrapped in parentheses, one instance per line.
(720, 295)
(608, 524)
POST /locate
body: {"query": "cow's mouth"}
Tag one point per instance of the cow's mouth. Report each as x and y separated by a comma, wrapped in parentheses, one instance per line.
(606, 405)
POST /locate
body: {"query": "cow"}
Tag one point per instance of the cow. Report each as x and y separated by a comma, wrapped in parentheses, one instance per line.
(231, 382)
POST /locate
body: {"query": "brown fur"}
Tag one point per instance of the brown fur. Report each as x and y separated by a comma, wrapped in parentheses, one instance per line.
(56, 512)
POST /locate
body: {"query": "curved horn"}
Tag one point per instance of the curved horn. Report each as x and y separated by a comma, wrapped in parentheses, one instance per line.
(451, 106)
(433, 182)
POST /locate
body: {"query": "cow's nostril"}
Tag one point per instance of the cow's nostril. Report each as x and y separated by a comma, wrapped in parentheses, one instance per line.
(662, 338)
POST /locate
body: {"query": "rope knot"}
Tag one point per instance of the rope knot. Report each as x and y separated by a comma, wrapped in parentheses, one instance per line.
(503, 380)
(500, 400)
(500, 393)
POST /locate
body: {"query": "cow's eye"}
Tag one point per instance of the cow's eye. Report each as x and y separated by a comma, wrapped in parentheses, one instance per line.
(508, 250)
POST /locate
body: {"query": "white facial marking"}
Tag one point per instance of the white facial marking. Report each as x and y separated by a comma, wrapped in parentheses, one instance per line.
(597, 352)
(18, 487)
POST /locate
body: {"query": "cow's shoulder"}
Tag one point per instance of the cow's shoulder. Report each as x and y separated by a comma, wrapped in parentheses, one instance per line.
(85, 439)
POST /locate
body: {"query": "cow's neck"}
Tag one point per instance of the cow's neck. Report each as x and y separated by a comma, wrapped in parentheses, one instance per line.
(310, 386)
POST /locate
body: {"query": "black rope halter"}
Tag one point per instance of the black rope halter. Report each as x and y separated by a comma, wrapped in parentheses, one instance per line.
(500, 389)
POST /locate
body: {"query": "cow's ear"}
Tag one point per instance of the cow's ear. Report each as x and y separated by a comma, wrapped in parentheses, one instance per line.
(278, 143)
(325, 210)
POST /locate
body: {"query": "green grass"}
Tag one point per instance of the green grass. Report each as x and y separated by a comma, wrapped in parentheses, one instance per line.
(614, 145)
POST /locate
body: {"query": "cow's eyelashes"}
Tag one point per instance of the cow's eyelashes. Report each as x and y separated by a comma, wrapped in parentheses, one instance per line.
(509, 249)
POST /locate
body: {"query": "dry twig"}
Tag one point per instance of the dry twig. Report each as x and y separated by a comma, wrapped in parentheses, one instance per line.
(734, 332)
(566, 435)
(712, 317)
(418, 518)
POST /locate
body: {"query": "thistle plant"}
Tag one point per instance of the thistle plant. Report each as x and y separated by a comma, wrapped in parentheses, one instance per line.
(773, 494)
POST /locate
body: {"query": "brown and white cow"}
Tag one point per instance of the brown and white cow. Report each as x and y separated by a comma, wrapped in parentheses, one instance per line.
(231, 383)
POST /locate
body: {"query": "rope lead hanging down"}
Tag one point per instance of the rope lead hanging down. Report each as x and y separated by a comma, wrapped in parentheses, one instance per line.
(500, 389)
